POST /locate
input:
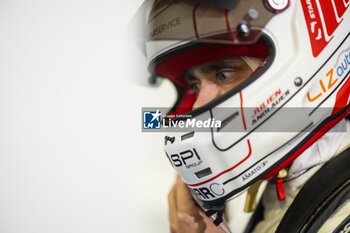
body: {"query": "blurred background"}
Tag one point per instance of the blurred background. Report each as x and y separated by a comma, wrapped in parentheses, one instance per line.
(72, 155)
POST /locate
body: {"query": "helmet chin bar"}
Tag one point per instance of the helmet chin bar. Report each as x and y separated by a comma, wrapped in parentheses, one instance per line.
(211, 174)
(216, 208)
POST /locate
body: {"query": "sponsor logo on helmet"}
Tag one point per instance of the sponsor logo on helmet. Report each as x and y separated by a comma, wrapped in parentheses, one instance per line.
(187, 158)
(332, 77)
(322, 18)
(166, 26)
(213, 191)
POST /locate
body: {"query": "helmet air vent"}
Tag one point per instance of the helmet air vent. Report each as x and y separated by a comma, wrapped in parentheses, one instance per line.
(187, 136)
(227, 120)
(203, 173)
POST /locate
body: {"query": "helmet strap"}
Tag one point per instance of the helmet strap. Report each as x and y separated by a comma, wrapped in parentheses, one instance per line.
(279, 178)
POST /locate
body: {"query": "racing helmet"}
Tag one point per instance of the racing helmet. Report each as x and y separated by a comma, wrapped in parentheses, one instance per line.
(297, 93)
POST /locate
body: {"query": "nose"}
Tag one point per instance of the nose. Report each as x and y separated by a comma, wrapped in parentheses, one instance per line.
(208, 91)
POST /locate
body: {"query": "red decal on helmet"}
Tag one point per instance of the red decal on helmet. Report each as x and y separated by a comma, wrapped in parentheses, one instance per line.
(342, 98)
(330, 17)
(244, 124)
(322, 19)
(194, 20)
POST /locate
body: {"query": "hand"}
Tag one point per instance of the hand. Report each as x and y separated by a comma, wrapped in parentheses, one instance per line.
(184, 215)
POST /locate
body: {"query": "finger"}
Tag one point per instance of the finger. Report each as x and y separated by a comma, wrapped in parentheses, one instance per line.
(186, 223)
(184, 201)
(180, 222)
(186, 204)
(173, 228)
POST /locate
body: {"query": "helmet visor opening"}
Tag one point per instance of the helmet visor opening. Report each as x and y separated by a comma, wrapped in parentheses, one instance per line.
(175, 66)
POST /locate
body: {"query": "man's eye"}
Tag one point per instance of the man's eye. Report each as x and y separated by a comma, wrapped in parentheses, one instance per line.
(195, 86)
(225, 76)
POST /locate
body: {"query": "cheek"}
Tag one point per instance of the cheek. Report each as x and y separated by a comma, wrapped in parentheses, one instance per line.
(240, 79)
(243, 77)
(227, 88)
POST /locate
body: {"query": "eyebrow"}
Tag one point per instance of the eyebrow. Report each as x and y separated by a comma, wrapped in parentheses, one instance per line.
(221, 64)
(189, 76)
(214, 66)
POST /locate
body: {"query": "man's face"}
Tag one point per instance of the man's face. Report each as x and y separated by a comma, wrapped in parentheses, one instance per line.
(213, 79)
